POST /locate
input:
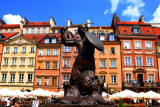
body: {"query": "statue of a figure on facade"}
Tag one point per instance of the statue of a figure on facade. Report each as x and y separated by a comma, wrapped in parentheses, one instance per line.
(84, 86)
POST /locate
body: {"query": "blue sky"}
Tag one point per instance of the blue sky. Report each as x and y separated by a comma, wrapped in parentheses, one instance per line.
(100, 12)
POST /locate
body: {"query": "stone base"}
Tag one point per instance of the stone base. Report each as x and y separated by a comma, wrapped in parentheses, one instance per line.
(78, 105)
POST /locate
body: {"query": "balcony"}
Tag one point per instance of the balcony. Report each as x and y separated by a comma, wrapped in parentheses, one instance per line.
(141, 85)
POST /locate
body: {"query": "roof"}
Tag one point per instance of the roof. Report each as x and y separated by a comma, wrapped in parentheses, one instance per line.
(9, 25)
(156, 30)
(132, 23)
(145, 30)
(37, 24)
(36, 37)
(8, 35)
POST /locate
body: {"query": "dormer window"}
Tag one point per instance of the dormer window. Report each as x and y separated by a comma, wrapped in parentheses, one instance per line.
(46, 40)
(75, 31)
(102, 37)
(54, 40)
(59, 31)
(111, 37)
(98, 33)
(136, 29)
(107, 32)
(93, 32)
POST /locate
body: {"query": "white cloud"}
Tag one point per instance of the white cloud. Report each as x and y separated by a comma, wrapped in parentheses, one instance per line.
(156, 16)
(12, 19)
(134, 10)
(114, 4)
(106, 11)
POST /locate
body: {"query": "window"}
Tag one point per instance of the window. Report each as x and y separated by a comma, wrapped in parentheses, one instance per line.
(6, 30)
(0, 30)
(14, 61)
(135, 30)
(104, 79)
(103, 64)
(113, 63)
(126, 44)
(66, 62)
(12, 30)
(55, 52)
(4, 76)
(41, 52)
(113, 79)
(151, 78)
(15, 49)
(112, 51)
(12, 77)
(75, 31)
(59, 31)
(128, 78)
(30, 77)
(137, 45)
(38, 30)
(98, 33)
(44, 30)
(148, 45)
(139, 61)
(54, 65)
(53, 31)
(7, 49)
(66, 49)
(76, 49)
(54, 81)
(27, 30)
(23, 49)
(21, 76)
(111, 37)
(32, 31)
(6, 61)
(47, 65)
(54, 40)
(127, 61)
(22, 61)
(47, 81)
(93, 32)
(46, 40)
(31, 61)
(65, 78)
(102, 37)
(32, 49)
(149, 62)
(48, 52)
(107, 32)
(39, 81)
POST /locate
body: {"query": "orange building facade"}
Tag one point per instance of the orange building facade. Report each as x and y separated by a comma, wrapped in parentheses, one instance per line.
(47, 63)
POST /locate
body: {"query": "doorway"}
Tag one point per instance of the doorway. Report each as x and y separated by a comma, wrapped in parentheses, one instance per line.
(140, 79)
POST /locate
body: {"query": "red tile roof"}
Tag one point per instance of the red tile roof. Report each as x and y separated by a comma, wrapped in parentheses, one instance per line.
(9, 25)
(132, 23)
(156, 30)
(36, 37)
(127, 30)
(37, 24)
(8, 35)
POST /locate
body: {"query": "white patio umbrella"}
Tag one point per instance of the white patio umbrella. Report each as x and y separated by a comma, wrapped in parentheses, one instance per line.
(5, 92)
(152, 95)
(141, 95)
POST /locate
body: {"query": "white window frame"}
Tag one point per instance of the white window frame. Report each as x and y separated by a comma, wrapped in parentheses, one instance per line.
(128, 77)
(32, 30)
(12, 77)
(148, 45)
(41, 52)
(5, 61)
(111, 50)
(137, 45)
(23, 61)
(27, 30)
(65, 78)
(54, 64)
(48, 52)
(12, 30)
(4, 76)
(30, 76)
(113, 63)
(102, 37)
(104, 79)
(38, 30)
(54, 40)
(23, 49)
(139, 61)
(102, 63)
(126, 44)
(46, 40)
(0, 30)
(44, 30)
(14, 60)
(46, 80)
(21, 77)
(47, 65)
(149, 61)
(39, 80)
(15, 49)
(7, 49)
(31, 61)
(55, 52)
(128, 61)
(111, 37)
(113, 79)
(66, 48)
(6, 30)
(151, 78)
(66, 63)
(32, 49)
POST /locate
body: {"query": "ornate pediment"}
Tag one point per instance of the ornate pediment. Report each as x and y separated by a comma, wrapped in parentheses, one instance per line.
(20, 41)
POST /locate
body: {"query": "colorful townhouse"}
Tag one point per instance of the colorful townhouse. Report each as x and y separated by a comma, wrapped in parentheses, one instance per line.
(47, 70)
(18, 62)
(138, 55)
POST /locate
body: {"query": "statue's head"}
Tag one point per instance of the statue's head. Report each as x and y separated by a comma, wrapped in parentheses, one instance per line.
(82, 29)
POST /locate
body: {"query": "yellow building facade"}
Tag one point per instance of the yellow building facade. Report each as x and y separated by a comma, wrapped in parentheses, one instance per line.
(18, 64)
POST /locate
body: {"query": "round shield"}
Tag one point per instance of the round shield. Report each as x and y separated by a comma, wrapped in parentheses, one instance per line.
(95, 41)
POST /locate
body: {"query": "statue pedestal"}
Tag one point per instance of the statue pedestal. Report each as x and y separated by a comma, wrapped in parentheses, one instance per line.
(78, 105)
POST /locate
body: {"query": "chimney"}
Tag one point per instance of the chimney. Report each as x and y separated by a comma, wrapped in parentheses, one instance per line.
(69, 22)
(2, 22)
(88, 23)
(115, 19)
(21, 27)
(141, 19)
(52, 22)
(25, 21)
